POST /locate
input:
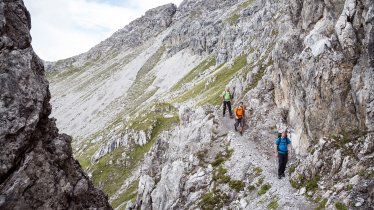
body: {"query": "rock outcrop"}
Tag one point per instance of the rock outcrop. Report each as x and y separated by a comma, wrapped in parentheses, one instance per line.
(37, 168)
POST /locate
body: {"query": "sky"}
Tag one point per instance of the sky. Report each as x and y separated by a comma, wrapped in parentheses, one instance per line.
(64, 28)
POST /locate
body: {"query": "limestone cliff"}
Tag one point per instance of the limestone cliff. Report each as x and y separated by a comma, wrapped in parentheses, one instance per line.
(37, 170)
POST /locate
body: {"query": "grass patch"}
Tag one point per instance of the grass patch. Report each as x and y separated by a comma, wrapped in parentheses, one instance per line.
(129, 194)
(321, 204)
(110, 176)
(237, 185)
(194, 73)
(147, 121)
(214, 200)
(201, 155)
(344, 137)
(312, 185)
(297, 182)
(292, 169)
(340, 206)
(258, 171)
(233, 19)
(218, 161)
(104, 73)
(144, 78)
(213, 93)
(294, 184)
(273, 205)
(222, 157)
(251, 188)
(245, 4)
(218, 80)
(264, 188)
(274, 33)
(85, 158)
(219, 175)
(371, 174)
(349, 187)
(62, 75)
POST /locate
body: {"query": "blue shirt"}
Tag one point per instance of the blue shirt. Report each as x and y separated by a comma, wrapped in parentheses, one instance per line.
(282, 142)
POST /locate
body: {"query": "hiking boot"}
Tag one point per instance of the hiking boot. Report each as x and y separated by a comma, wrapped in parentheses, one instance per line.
(279, 177)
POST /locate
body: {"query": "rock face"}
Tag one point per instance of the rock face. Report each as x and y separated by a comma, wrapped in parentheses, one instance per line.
(306, 65)
(37, 169)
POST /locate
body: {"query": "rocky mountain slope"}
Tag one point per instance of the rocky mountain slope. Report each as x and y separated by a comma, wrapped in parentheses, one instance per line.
(144, 108)
(37, 170)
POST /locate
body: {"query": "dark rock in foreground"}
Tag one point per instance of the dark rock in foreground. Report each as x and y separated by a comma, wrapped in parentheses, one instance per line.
(37, 168)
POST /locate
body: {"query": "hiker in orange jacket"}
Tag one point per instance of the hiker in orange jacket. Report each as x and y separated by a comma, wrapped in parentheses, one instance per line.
(239, 117)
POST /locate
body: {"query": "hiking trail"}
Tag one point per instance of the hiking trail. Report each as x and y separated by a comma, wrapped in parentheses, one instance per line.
(248, 154)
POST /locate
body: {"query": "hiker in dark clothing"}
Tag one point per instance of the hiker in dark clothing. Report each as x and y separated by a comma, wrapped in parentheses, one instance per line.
(226, 97)
(283, 150)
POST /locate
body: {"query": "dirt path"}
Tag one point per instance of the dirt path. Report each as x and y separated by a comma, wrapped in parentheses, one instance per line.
(247, 155)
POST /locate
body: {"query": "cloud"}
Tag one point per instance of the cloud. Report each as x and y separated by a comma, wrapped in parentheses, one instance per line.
(64, 28)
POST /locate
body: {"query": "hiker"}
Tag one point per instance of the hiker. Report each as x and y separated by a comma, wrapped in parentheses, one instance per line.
(226, 97)
(239, 117)
(283, 150)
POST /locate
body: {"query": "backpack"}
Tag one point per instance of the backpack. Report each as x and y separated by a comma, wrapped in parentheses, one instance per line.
(239, 111)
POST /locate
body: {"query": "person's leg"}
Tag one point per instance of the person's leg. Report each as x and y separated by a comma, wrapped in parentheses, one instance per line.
(236, 125)
(224, 107)
(241, 125)
(229, 106)
(285, 164)
(279, 164)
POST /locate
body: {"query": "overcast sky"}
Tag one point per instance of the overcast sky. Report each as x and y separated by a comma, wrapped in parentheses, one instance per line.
(64, 28)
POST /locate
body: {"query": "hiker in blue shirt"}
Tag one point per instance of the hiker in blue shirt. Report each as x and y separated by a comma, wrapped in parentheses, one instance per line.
(283, 150)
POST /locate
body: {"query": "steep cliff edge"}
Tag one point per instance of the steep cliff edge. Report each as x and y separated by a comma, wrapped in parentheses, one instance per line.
(38, 170)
